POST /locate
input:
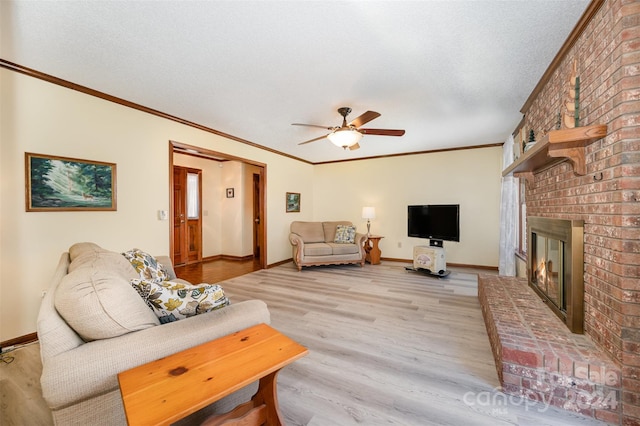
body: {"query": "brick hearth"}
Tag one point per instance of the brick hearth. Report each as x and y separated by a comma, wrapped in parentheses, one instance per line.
(537, 357)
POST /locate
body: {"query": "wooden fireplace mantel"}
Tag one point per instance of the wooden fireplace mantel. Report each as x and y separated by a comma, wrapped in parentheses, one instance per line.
(557, 146)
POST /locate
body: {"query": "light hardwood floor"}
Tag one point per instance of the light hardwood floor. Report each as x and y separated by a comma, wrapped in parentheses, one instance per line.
(21, 402)
(387, 347)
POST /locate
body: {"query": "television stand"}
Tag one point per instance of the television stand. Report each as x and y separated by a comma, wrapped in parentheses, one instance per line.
(429, 260)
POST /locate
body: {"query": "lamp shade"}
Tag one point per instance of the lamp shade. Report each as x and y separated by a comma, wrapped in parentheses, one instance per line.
(368, 213)
(344, 138)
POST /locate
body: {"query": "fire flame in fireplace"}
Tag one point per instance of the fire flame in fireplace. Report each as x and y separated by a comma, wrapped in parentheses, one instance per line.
(545, 278)
(541, 275)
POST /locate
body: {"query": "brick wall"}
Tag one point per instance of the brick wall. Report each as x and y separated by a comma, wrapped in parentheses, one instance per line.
(607, 198)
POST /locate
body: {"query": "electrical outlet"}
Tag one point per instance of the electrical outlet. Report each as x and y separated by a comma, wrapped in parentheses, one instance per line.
(399, 244)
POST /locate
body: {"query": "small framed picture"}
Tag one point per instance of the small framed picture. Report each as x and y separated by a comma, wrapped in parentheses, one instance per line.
(230, 193)
(293, 202)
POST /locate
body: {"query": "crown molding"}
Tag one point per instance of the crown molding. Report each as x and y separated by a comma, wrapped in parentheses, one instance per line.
(91, 92)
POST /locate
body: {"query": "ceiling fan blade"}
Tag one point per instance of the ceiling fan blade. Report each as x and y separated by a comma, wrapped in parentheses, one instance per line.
(354, 147)
(364, 118)
(382, 132)
(312, 125)
(312, 140)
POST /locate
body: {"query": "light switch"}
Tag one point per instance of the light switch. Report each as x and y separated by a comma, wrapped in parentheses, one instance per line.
(162, 215)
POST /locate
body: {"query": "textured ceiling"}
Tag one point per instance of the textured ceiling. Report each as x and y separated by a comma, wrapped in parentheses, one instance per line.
(451, 73)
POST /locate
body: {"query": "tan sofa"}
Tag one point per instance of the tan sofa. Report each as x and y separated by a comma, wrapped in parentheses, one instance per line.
(314, 244)
(79, 376)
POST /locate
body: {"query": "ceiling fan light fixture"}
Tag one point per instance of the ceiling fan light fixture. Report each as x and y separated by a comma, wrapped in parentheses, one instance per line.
(344, 138)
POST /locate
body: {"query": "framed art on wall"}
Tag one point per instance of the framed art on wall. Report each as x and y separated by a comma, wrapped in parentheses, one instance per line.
(69, 184)
(293, 202)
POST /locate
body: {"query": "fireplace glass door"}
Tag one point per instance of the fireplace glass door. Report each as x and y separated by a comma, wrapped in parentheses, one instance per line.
(555, 267)
(548, 267)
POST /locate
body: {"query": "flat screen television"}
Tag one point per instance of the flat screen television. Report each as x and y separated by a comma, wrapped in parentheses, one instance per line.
(438, 222)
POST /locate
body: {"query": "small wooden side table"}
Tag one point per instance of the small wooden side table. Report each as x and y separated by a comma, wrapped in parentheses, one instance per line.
(371, 247)
(166, 390)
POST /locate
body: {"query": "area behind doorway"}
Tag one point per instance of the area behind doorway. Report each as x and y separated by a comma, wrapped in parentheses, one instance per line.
(214, 271)
(231, 209)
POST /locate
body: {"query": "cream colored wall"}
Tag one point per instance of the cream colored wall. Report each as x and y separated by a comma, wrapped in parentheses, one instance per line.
(470, 178)
(232, 209)
(40, 117)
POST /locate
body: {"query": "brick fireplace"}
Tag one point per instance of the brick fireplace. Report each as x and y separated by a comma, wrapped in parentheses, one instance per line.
(535, 327)
(537, 357)
(606, 197)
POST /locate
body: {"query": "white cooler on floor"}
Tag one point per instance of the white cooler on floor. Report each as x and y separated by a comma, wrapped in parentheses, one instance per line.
(429, 257)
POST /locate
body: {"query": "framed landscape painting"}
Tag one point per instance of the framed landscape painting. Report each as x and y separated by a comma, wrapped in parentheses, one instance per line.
(69, 184)
(293, 202)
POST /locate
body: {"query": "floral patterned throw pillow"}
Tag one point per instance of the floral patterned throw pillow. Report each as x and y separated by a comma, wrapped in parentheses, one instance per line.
(345, 234)
(172, 301)
(146, 265)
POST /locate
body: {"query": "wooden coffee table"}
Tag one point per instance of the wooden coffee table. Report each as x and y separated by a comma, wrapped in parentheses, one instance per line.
(164, 391)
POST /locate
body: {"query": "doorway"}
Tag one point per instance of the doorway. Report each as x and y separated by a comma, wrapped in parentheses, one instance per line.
(254, 207)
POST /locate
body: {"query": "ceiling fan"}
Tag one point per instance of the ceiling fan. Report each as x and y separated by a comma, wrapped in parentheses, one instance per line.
(347, 136)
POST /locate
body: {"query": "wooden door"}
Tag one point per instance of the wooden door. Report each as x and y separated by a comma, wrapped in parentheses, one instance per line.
(179, 215)
(257, 219)
(187, 221)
